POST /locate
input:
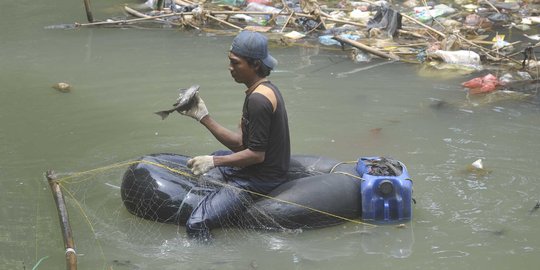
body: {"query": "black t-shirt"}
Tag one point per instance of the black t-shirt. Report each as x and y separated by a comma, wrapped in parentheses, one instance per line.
(266, 130)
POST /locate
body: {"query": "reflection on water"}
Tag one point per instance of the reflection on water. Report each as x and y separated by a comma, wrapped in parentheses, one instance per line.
(393, 241)
(337, 108)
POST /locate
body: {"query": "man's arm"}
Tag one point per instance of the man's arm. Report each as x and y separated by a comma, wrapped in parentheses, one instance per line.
(201, 164)
(240, 159)
(230, 139)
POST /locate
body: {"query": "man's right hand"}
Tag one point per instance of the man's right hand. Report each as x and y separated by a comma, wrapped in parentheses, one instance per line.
(198, 110)
(201, 164)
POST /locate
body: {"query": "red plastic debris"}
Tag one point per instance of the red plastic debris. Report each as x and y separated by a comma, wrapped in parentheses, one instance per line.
(483, 84)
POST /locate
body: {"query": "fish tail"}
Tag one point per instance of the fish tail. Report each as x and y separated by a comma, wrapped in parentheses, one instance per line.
(163, 114)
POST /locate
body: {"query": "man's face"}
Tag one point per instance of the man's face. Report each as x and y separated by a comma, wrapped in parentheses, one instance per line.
(240, 69)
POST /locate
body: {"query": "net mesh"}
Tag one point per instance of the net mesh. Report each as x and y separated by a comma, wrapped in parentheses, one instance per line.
(106, 233)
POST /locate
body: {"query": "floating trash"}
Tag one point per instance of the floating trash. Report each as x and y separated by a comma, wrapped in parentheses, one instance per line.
(477, 167)
(62, 87)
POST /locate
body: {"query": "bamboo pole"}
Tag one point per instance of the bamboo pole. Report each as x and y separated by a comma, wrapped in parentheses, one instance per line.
(366, 48)
(69, 243)
(89, 16)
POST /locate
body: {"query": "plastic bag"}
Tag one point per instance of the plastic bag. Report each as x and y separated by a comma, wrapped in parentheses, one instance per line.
(328, 39)
(263, 2)
(386, 18)
(483, 84)
(460, 57)
(254, 6)
(235, 3)
(359, 16)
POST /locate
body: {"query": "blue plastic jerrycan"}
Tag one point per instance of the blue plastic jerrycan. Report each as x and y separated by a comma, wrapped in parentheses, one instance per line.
(386, 190)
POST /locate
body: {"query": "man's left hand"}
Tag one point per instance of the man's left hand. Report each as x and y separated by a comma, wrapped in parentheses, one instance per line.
(201, 164)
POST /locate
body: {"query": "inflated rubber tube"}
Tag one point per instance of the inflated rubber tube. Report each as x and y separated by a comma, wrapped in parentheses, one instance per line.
(160, 188)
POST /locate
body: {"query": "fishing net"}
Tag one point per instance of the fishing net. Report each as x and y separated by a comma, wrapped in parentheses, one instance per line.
(108, 236)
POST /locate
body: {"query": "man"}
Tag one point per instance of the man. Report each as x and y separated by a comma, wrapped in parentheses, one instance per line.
(260, 151)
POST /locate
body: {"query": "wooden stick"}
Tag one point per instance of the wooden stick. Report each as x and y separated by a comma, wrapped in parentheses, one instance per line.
(364, 25)
(424, 25)
(182, 14)
(285, 6)
(184, 2)
(89, 16)
(247, 12)
(405, 32)
(506, 56)
(314, 28)
(492, 6)
(132, 20)
(287, 22)
(520, 52)
(486, 51)
(509, 44)
(136, 13)
(366, 48)
(141, 15)
(224, 22)
(345, 22)
(69, 243)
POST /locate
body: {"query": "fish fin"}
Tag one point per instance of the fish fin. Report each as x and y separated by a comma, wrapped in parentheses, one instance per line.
(163, 114)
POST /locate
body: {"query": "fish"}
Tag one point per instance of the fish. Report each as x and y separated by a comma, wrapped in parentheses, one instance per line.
(185, 100)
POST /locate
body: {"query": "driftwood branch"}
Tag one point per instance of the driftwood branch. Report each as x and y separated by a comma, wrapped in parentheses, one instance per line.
(69, 243)
(366, 48)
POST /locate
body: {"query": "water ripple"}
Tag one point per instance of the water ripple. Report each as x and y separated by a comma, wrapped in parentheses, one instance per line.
(446, 254)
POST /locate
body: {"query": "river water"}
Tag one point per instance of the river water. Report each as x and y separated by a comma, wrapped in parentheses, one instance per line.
(337, 108)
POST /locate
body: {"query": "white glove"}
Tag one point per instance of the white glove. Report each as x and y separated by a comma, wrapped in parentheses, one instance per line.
(198, 109)
(201, 164)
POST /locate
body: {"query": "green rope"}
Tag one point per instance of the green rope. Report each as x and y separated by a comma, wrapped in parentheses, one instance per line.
(39, 262)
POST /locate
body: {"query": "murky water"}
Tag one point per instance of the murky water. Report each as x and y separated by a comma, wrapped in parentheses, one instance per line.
(119, 77)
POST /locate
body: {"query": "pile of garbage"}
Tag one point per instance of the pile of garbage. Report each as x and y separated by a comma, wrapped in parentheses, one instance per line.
(471, 35)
